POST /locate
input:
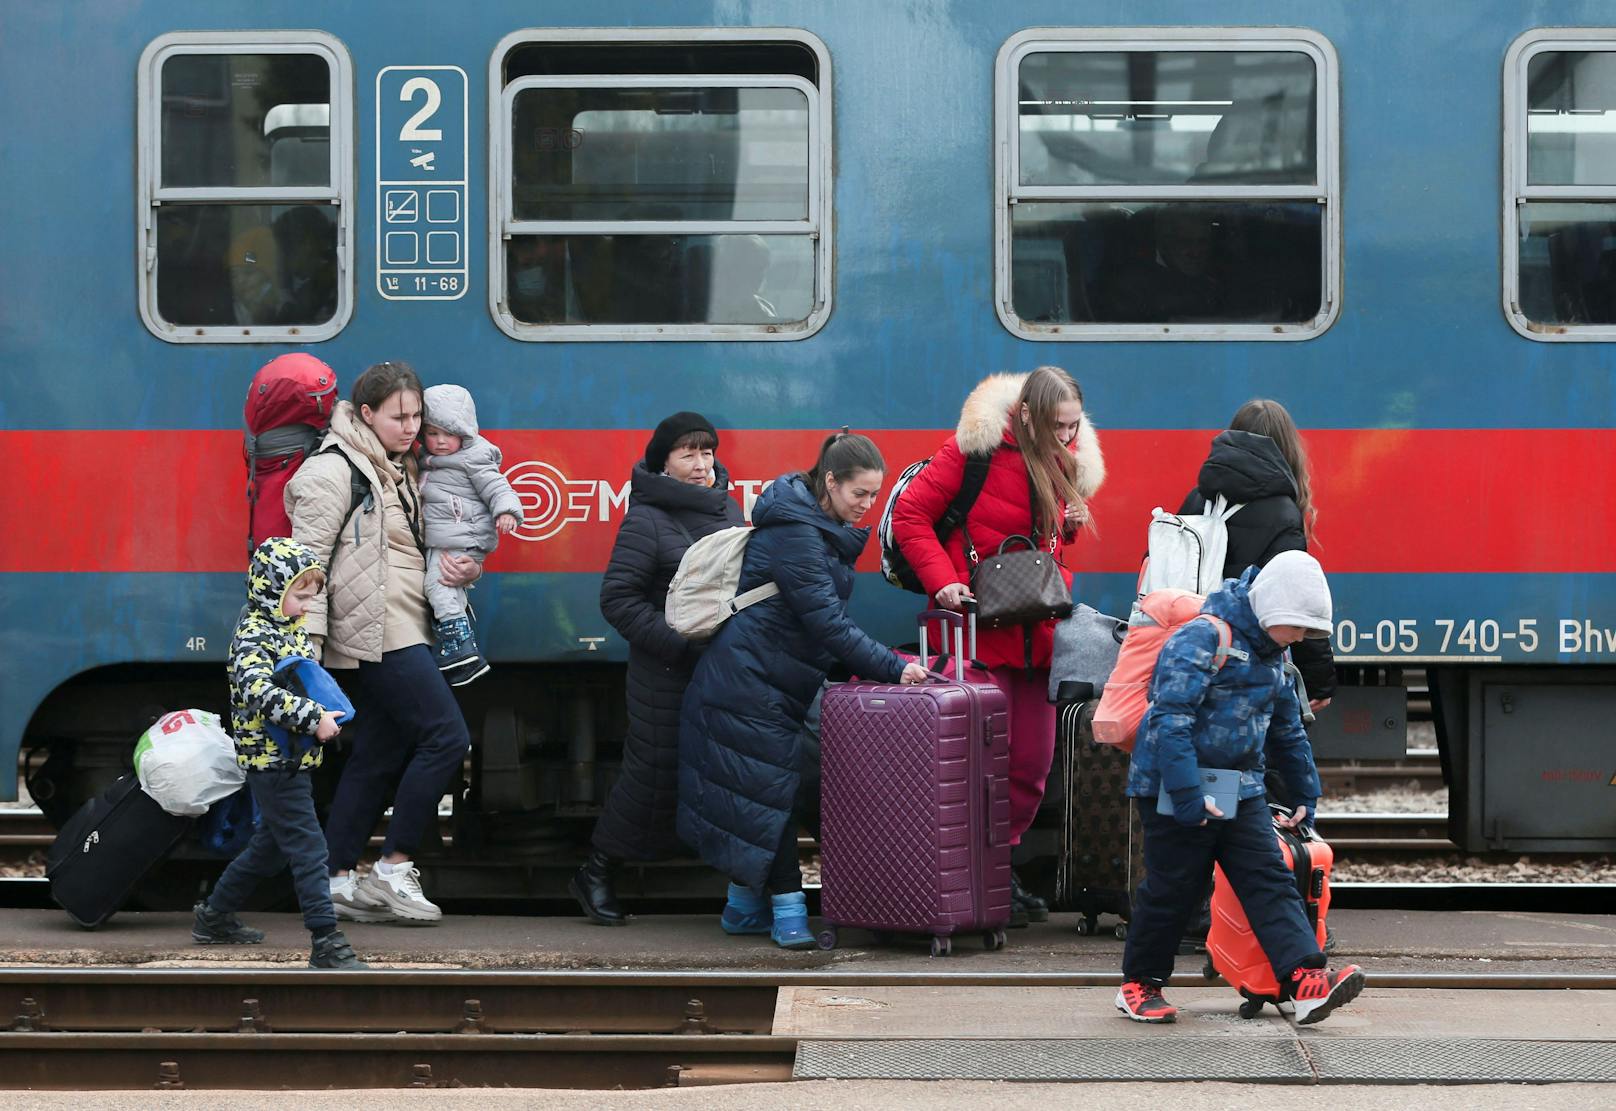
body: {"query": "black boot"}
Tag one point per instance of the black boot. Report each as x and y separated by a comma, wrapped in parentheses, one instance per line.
(591, 885)
(1021, 899)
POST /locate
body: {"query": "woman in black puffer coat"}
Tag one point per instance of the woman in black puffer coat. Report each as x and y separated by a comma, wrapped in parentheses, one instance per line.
(1260, 464)
(678, 493)
(740, 735)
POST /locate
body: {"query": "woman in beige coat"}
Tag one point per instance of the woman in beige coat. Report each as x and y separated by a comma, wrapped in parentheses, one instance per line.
(357, 504)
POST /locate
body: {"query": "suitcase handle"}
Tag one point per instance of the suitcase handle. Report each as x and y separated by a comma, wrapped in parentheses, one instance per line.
(959, 621)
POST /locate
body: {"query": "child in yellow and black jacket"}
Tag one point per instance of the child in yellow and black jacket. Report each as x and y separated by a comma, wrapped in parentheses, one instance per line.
(282, 579)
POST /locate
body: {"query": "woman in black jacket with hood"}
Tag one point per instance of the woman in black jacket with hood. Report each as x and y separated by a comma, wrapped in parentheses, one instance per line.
(678, 493)
(1260, 464)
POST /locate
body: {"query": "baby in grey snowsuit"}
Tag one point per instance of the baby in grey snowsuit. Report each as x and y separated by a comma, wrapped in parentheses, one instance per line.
(465, 504)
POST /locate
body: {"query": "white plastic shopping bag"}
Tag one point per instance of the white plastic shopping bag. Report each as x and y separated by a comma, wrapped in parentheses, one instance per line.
(187, 762)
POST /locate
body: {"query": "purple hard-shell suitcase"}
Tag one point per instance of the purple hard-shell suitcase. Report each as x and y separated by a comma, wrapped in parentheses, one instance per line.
(915, 810)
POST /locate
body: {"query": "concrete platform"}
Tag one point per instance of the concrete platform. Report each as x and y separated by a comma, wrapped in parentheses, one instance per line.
(1381, 940)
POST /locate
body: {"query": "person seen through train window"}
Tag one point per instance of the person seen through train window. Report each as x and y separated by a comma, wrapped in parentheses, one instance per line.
(743, 713)
(1044, 465)
(678, 493)
(371, 625)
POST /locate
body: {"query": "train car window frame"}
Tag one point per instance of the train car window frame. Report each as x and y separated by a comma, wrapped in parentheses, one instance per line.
(1518, 190)
(1324, 191)
(152, 195)
(816, 227)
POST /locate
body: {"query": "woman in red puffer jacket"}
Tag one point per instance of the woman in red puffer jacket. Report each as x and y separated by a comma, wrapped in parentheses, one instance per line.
(1044, 465)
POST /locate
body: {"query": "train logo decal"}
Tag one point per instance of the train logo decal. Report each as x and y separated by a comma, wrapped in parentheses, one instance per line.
(551, 501)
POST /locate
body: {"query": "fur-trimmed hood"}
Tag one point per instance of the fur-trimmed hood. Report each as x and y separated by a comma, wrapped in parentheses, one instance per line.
(985, 419)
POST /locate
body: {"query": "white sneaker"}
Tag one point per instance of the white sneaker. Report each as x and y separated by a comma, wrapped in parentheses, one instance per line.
(353, 904)
(400, 892)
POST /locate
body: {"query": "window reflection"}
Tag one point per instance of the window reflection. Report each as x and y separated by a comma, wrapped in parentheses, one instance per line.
(1177, 262)
(673, 154)
(1167, 118)
(656, 279)
(1571, 118)
(244, 120)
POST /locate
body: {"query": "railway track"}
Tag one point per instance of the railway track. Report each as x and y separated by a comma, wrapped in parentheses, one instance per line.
(90, 1029)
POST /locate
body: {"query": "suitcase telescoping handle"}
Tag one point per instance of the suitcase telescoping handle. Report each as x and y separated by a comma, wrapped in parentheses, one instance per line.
(959, 622)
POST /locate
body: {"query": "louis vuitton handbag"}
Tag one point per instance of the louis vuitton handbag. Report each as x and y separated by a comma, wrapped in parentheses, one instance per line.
(1017, 586)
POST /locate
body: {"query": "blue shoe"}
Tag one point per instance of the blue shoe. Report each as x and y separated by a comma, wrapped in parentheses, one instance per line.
(457, 655)
(746, 912)
(791, 922)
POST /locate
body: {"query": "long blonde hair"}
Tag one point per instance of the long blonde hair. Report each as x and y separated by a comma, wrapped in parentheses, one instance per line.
(1051, 468)
(1266, 417)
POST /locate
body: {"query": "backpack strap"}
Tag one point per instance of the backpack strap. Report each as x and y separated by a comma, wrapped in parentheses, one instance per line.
(976, 476)
(1226, 648)
(750, 597)
(358, 492)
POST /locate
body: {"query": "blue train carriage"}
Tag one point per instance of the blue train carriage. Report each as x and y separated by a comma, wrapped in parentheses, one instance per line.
(839, 216)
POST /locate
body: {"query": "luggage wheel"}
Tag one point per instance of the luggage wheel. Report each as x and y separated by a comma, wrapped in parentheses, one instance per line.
(1250, 1008)
(1086, 925)
(827, 937)
(1121, 931)
(941, 946)
(993, 940)
(1208, 970)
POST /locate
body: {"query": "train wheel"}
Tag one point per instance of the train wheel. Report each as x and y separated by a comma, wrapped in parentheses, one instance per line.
(827, 937)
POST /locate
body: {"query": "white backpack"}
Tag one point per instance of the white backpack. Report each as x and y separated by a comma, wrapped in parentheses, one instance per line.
(1187, 551)
(702, 595)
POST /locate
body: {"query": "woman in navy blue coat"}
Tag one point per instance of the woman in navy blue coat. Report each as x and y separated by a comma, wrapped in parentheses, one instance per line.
(743, 712)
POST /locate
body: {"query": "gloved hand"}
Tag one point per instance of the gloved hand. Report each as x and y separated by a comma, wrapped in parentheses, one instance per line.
(1189, 806)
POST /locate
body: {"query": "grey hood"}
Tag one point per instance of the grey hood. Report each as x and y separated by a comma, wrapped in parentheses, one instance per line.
(451, 409)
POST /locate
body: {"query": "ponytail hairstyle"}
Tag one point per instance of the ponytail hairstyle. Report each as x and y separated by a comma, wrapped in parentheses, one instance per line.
(843, 454)
(380, 382)
(1265, 417)
(1051, 467)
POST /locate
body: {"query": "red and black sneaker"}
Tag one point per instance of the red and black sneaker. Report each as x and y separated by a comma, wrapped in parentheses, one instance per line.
(1315, 992)
(1142, 1001)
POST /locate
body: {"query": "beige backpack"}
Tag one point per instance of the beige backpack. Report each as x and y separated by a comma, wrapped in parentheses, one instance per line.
(703, 594)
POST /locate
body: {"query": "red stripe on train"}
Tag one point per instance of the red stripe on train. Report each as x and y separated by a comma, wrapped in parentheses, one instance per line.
(1511, 500)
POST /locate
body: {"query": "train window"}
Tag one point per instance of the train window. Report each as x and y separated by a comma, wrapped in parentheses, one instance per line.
(1167, 183)
(651, 187)
(1560, 184)
(245, 182)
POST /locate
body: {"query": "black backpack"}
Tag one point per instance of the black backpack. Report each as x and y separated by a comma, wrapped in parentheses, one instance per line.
(893, 565)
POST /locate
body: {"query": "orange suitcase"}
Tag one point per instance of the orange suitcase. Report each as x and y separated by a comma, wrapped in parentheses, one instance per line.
(1231, 948)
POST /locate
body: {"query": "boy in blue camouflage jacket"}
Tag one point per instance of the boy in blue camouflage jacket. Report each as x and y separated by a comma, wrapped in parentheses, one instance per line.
(282, 579)
(1203, 715)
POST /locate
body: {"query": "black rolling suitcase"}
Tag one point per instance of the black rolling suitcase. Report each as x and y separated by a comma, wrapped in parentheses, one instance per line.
(1102, 849)
(105, 849)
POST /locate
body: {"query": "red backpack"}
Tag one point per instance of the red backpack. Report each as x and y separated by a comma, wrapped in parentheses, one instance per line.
(289, 404)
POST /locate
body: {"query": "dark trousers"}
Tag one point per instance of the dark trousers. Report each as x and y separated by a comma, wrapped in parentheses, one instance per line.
(785, 874)
(1177, 863)
(288, 833)
(407, 729)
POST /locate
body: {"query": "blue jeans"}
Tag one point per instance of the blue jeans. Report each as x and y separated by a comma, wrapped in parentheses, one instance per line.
(288, 833)
(407, 730)
(1178, 863)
